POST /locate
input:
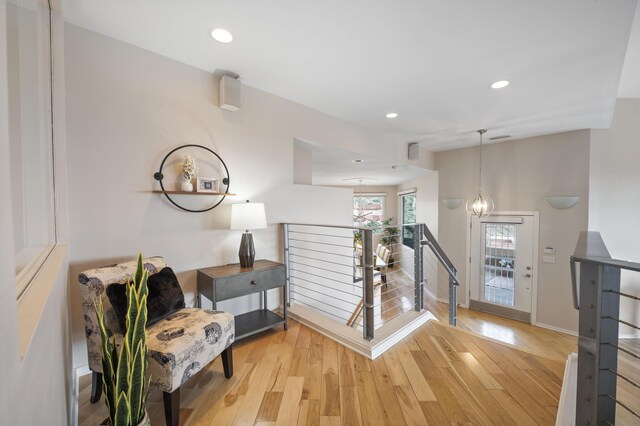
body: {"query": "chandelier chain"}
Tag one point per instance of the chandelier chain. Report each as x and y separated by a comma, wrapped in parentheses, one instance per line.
(481, 132)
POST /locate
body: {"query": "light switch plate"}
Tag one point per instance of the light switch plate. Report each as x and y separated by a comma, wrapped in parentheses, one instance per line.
(549, 250)
(548, 259)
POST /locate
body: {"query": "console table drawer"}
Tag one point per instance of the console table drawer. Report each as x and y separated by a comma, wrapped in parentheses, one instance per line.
(248, 283)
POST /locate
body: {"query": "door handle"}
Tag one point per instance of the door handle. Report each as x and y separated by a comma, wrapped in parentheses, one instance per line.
(527, 275)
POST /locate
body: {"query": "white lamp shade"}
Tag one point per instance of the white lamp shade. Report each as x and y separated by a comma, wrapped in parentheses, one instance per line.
(248, 216)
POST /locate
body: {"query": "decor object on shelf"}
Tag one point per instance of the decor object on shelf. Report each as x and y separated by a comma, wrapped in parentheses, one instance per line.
(179, 345)
(563, 202)
(452, 203)
(247, 216)
(188, 171)
(204, 184)
(481, 205)
(124, 369)
(159, 176)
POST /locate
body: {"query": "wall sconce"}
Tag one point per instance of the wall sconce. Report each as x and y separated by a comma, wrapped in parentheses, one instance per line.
(562, 202)
(452, 203)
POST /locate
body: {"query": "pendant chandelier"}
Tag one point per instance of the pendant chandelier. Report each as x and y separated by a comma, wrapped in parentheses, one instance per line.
(360, 216)
(481, 205)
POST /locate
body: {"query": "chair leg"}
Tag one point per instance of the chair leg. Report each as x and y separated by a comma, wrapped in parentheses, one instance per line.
(171, 407)
(227, 362)
(96, 386)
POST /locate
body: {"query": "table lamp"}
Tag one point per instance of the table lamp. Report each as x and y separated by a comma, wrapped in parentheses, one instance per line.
(247, 216)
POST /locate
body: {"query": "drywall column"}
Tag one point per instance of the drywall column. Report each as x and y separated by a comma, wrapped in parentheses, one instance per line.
(614, 198)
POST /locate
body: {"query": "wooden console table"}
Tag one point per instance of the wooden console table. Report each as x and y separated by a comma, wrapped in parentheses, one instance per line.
(230, 281)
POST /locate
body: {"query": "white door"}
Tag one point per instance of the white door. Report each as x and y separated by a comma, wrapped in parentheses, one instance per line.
(502, 265)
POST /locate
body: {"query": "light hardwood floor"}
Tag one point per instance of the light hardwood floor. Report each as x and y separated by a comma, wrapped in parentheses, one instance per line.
(437, 375)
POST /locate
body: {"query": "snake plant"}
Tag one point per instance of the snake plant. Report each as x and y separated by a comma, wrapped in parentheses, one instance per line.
(124, 368)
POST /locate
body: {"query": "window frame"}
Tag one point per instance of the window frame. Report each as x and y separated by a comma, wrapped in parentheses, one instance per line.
(34, 259)
(407, 232)
(383, 206)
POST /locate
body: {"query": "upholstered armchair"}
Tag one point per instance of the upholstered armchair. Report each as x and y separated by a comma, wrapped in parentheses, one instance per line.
(179, 345)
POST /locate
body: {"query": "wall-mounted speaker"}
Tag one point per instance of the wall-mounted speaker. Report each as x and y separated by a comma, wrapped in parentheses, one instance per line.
(230, 89)
(413, 151)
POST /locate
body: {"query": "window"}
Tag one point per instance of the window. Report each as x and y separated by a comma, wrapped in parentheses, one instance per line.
(30, 136)
(408, 205)
(368, 210)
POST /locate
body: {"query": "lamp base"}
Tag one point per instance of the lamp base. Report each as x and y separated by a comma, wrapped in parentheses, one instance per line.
(247, 252)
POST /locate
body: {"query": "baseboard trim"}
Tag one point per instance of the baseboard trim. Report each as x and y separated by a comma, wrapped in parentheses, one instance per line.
(554, 328)
(629, 336)
(436, 298)
(501, 311)
(567, 405)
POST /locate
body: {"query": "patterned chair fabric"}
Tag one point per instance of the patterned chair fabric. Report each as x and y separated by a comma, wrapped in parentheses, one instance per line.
(179, 345)
(184, 342)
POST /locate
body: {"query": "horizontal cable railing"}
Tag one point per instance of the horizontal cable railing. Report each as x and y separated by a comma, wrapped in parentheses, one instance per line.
(361, 278)
(607, 364)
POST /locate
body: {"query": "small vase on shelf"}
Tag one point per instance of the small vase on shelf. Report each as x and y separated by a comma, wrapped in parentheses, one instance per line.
(187, 186)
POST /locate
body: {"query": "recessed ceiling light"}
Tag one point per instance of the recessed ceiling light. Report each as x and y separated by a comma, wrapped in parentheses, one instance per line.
(221, 35)
(499, 84)
(357, 160)
(391, 115)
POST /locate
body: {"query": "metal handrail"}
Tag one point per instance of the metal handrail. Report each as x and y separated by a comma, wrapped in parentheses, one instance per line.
(439, 252)
(448, 265)
(596, 294)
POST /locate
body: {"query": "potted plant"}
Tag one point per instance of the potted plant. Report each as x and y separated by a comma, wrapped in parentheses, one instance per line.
(188, 171)
(390, 235)
(124, 369)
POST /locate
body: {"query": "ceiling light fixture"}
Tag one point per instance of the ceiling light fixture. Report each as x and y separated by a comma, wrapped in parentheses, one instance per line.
(391, 115)
(357, 160)
(480, 206)
(499, 84)
(221, 35)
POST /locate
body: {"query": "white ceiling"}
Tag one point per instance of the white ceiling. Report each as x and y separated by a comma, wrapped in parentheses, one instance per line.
(429, 61)
(332, 166)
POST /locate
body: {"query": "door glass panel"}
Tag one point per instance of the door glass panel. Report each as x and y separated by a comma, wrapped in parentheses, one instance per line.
(499, 263)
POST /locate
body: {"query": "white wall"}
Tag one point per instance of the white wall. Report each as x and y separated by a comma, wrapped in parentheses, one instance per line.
(126, 108)
(426, 212)
(614, 196)
(34, 390)
(518, 175)
(302, 164)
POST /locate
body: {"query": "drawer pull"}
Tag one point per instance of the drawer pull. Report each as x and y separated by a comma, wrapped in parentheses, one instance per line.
(254, 282)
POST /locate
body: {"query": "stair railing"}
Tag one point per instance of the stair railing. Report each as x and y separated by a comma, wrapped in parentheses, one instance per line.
(597, 297)
(431, 242)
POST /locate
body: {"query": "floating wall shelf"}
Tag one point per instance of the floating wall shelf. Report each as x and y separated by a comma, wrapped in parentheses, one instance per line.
(225, 181)
(228, 194)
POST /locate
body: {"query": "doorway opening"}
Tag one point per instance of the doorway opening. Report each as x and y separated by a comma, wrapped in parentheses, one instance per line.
(502, 260)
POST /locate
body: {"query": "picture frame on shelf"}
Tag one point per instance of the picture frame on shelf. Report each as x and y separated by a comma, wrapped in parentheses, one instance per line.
(204, 184)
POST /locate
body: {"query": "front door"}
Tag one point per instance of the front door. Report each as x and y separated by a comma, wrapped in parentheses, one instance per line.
(501, 265)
